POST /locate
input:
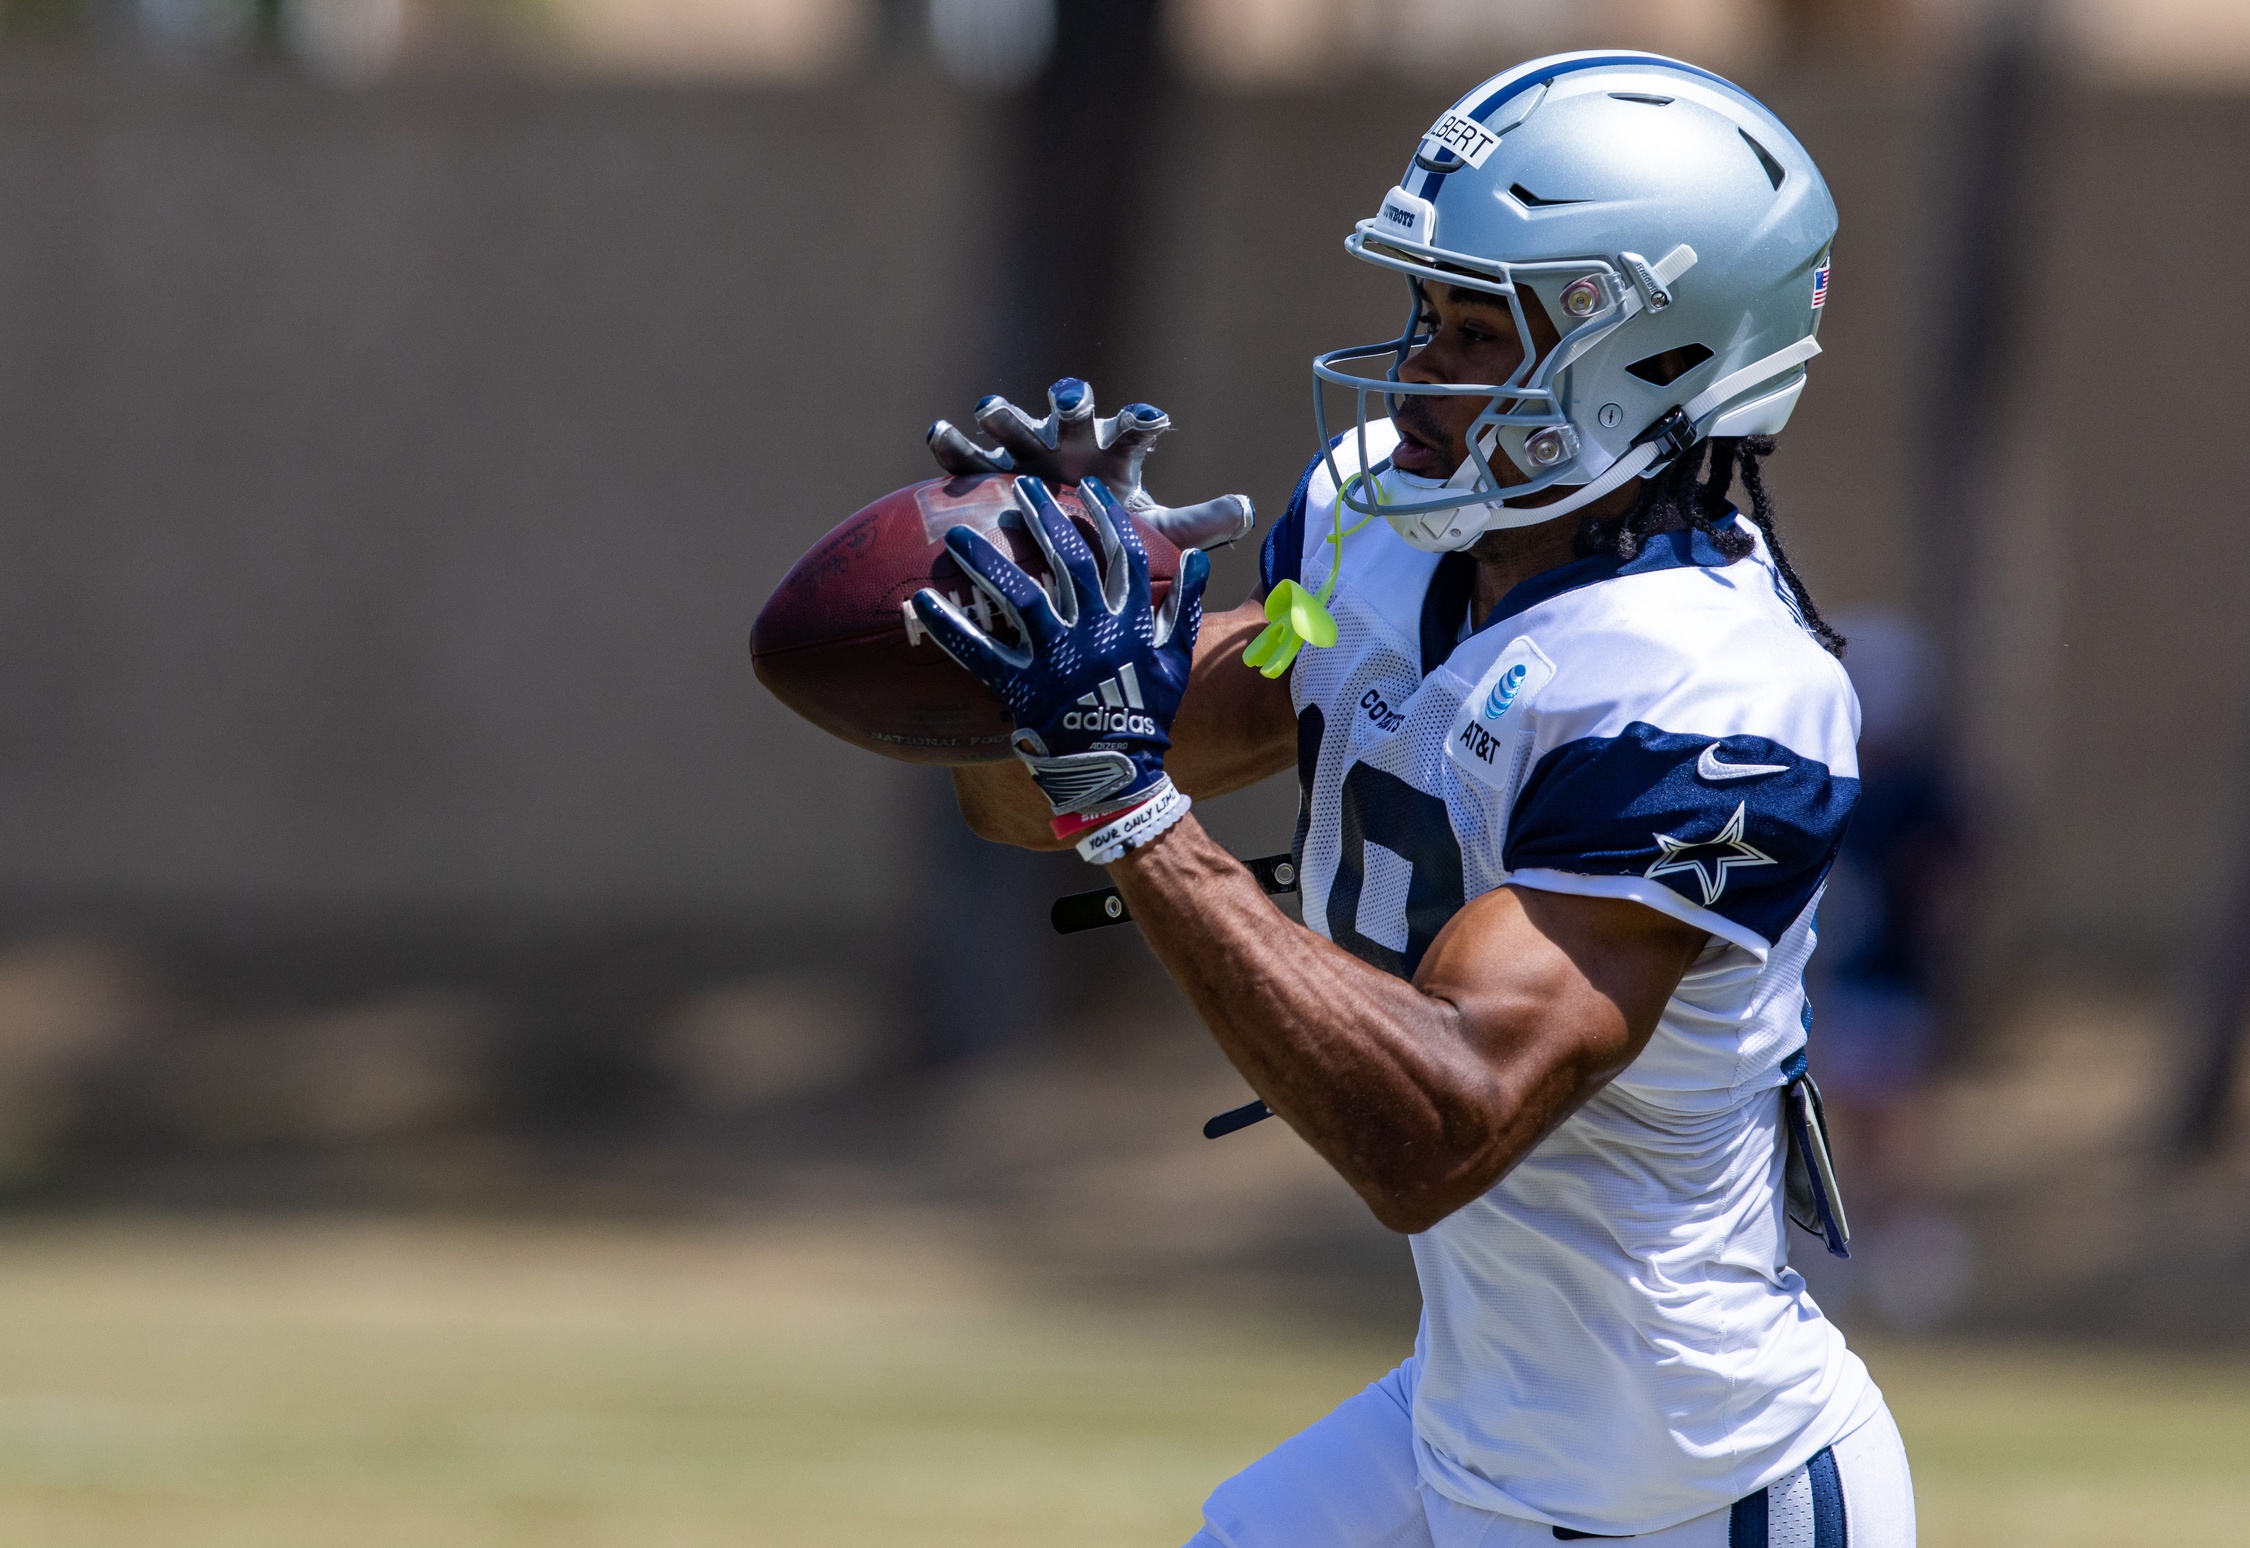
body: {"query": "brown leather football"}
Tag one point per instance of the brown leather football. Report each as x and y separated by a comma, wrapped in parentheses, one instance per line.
(837, 643)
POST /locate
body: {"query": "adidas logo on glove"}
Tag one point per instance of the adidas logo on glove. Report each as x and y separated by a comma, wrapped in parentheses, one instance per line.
(1113, 708)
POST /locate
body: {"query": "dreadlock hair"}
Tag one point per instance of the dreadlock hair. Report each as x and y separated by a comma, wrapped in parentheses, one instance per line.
(1692, 493)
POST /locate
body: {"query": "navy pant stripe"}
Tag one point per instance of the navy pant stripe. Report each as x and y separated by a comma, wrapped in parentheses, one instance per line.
(1746, 1525)
(1746, 1528)
(1829, 1529)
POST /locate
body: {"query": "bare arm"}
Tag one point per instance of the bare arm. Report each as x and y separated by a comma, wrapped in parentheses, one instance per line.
(1422, 1094)
(1235, 727)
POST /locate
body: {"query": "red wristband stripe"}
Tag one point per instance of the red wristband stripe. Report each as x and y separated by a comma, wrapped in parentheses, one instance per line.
(1071, 824)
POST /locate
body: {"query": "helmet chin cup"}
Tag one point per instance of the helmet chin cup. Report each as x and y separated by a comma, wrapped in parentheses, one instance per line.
(1439, 532)
(1404, 501)
(1448, 530)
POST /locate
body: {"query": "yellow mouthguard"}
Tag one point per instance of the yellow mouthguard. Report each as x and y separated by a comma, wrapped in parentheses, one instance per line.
(1297, 617)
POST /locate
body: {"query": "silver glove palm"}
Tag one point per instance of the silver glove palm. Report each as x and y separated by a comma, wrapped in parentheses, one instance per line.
(1072, 444)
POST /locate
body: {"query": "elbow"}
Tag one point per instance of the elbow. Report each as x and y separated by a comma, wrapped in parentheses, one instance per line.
(1416, 1200)
(1422, 1185)
(993, 826)
(1000, 815)
(1412, 1210)
(1407, 1219)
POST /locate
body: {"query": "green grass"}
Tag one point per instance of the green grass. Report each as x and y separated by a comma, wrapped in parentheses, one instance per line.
(303, 1386)
(2066, 1448)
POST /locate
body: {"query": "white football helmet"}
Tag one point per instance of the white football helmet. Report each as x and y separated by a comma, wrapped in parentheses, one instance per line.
(1659, 215)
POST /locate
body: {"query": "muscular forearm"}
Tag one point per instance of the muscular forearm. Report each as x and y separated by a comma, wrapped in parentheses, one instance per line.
(1389, 1083)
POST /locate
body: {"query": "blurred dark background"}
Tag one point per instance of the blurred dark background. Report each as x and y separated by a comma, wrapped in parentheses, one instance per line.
(405, 408)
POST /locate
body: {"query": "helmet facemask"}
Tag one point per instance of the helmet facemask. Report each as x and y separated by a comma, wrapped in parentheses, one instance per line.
(1524, 419)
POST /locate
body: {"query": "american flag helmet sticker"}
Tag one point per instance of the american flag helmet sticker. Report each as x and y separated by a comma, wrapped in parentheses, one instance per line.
(1820, 285)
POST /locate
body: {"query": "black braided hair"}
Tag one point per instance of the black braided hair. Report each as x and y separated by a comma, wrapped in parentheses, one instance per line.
(1686, 495)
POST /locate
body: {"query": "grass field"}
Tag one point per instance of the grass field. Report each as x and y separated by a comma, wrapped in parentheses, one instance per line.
(334, 1386)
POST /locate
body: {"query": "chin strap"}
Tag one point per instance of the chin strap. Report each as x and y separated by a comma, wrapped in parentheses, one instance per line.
(1661, 442)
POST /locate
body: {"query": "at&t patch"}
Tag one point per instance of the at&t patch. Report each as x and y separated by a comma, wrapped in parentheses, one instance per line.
(1490, 727)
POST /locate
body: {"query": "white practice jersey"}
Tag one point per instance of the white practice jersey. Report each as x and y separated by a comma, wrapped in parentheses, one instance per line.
(1612, 1340)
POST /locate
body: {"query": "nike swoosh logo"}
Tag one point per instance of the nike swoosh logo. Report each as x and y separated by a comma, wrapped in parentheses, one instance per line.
(1711, 768)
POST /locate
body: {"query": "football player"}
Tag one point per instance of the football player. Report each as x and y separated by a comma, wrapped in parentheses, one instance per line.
(1576, 753)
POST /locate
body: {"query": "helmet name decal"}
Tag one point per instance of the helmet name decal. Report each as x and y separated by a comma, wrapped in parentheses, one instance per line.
(1462, 135)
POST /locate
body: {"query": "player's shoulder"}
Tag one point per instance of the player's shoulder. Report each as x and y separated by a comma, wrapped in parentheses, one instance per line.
(1684, 642)
(1685, 743)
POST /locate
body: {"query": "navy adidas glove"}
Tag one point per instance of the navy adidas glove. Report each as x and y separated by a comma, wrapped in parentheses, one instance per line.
(1096, 673)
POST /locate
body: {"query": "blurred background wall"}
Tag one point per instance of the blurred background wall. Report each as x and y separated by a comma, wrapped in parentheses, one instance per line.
(393, 467)
(405, 406)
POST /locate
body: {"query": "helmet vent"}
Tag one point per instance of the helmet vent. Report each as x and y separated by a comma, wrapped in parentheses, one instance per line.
(1765, 158)
(1662, 370)
(1525, 196)
(1642, 97)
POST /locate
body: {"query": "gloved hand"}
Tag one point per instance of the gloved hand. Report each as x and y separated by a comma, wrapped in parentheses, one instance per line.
(1095, 676)
(1070, 445)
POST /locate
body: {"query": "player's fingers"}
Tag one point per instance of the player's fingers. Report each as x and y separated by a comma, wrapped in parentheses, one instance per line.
(950, 630)
(962, 457)
(1182, 618)
(1067, 554)
(1128, 435)
(1124, 560)
(1070, 405)
(1070, 399)
(1020, 598)
(1028, 440)
(1213, 524)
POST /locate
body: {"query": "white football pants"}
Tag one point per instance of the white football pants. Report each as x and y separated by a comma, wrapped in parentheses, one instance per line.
(1349, 1482)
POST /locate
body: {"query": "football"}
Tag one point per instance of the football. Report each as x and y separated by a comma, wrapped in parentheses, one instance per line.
(837, 643)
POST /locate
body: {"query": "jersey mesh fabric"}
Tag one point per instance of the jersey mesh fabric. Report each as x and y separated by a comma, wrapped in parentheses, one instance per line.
(1612, 1339)
(1789, 1513)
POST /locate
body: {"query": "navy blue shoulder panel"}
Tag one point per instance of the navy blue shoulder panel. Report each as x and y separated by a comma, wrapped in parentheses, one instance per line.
(1739, 825)
(1283, 557)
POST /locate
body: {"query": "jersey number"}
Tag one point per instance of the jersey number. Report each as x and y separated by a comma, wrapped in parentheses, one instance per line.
(1380, 808)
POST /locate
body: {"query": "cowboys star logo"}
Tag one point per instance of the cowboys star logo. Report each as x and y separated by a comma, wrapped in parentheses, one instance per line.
(1710, 859)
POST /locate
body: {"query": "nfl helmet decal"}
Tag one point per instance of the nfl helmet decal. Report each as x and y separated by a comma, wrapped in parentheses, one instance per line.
(1646, 207)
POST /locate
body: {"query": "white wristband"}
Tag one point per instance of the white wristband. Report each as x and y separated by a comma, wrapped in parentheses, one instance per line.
(1132, 829)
